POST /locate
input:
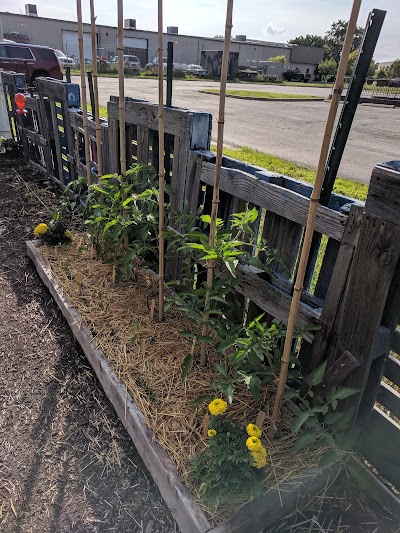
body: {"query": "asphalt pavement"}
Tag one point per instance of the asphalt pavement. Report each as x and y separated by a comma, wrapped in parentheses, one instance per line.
(290, 130)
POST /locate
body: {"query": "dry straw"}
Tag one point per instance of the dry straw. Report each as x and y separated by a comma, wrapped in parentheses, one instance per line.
(218, 164)
(83, 91)
(314, 200)
(147, 358)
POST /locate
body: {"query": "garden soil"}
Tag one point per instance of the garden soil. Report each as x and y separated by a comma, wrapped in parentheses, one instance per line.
(66, 462)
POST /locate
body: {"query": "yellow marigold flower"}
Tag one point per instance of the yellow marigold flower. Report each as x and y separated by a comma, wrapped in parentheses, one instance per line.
(211, 432)
(40, 230)
(217, 407)
(259, 457)
(253, 444)
(68, 234)
(253, 430)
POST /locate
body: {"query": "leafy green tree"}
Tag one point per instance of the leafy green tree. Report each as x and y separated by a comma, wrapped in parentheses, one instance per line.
(334, 39)
(278, 59)
(309, 40)
(352, 61)
(394, 69)
(327, 69)
(382, 73)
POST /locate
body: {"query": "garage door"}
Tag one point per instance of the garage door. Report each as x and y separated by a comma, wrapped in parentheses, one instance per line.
(134, 42)
(71, 45)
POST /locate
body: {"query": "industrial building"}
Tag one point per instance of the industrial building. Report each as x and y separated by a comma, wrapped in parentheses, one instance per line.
(63, 35)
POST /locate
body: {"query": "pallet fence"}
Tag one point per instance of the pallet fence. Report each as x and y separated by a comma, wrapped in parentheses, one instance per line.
(352, 292)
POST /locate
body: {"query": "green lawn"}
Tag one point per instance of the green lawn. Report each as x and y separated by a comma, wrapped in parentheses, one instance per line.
(275, 164)
(262, 94)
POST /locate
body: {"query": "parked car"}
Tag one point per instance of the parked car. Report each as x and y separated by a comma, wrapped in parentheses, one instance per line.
(196, 70)
(30, 59)
(64, 60)
(153, 65)
(129, 61)
(293, 75)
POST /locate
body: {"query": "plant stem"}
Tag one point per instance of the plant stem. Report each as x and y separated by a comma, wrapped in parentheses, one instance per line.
(161, 168)
(218, 164)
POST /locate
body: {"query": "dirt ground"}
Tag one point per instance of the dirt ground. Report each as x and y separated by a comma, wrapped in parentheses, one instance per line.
(66, 462)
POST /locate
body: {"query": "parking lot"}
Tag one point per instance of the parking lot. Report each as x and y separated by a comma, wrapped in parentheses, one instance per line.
(290, 130)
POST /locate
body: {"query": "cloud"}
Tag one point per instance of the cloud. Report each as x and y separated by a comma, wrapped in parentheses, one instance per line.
(275, 30)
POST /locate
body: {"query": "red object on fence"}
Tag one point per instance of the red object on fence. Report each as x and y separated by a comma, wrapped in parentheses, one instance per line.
(20, 101)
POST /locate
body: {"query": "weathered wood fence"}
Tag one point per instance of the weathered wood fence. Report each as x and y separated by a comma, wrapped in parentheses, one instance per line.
(352, 290)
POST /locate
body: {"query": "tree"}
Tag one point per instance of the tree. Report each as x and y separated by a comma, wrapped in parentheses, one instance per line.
(327, 69)
(309, 40)
(352, 61)
(278, 59)
(394, 69)
(382, 73)
(334, 39)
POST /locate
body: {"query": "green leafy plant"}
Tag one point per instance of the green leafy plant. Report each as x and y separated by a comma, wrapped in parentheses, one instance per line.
(122, 212)
(228, 467)
(323, 423)
(56, 230)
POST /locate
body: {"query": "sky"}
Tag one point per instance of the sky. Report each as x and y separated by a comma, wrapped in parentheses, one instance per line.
(258, 19)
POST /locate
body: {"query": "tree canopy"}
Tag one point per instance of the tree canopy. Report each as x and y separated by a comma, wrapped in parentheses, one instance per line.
(278, 59)
(332, 42)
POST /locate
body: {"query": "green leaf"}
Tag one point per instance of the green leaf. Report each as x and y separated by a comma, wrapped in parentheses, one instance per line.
(317, 375)
(226, 344)
(186, 334)
(304, 439)
(186, 366)
(222, 370)
(300, 420)
(333, 418)
(254, 387)
(328, 459)
(291, 393)
(344, 392)
(228, 391)
(109, 225)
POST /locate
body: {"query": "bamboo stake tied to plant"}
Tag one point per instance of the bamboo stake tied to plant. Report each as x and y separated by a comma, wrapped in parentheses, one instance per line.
(121, 92)
(83, 91)
(314, 200)
(96, 91)
(161, 163)
(218, 165)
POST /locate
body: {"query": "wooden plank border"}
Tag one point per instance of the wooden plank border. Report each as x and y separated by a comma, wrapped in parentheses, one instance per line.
(183, 506)
(262, 512)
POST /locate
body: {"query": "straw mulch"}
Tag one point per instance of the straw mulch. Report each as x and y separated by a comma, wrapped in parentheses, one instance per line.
(147, 357)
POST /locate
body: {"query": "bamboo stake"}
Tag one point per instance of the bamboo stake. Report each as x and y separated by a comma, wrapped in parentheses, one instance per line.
(83, 91)
(121, 102)
(218, 164)
(298, 287)
(161, 163)
(96, 91)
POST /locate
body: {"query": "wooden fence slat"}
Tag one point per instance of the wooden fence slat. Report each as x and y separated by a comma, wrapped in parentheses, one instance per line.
(271, 299)
(274, 198)
(331, 311)
(395, 346)
(379, 443)
(384, 184)
(177, 122)
(143, 145)
(392, 370)
(389, 398)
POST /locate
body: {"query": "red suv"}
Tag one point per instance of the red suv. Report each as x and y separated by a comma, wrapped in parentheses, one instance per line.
(30, 59)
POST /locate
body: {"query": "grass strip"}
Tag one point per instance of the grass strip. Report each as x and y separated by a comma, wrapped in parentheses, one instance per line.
(342, 186)
(264, 94)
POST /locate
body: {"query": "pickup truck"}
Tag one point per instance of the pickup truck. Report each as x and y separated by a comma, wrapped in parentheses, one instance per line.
(294, 75)
(153, 65)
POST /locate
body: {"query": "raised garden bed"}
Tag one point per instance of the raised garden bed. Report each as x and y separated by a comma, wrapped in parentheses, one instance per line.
(286, 476)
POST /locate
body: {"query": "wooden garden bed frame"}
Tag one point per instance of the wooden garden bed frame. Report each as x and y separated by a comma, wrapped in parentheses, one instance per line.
(253, 516)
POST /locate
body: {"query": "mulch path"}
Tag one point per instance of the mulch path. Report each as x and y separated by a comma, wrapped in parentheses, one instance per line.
(66, 462)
